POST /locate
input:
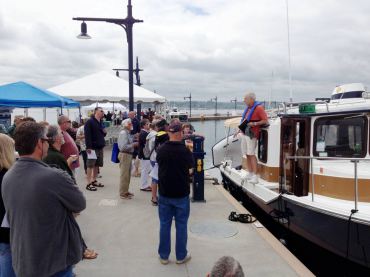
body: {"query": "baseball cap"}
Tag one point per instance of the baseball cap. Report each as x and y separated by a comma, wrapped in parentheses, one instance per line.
(175, 127)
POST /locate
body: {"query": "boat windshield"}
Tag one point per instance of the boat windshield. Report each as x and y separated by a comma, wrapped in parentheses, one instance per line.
(350, 94)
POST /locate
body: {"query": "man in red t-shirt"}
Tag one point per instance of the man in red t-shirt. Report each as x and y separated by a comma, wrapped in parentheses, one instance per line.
(249, 141)
(69, 148)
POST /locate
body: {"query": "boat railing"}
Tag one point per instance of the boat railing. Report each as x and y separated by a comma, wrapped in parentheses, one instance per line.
(355, 162)
(284, 106)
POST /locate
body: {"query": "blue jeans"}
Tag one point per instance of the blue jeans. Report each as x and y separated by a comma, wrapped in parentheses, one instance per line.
(169, 208)
(64, 273)
(6, 268)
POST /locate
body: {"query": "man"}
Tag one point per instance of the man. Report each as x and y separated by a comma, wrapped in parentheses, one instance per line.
(17, 120)
(126, 147)
(69, 148)
(40, 202)
(145, 161)
(175, 163)
(95, 142)
(255, 116)
(226, 266)
(135, 132)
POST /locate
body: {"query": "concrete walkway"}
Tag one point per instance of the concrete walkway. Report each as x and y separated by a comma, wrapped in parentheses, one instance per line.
(125, 234)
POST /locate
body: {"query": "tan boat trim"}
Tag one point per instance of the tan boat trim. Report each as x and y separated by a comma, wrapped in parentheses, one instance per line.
(268, 173)
(280, 249)
(341, 188)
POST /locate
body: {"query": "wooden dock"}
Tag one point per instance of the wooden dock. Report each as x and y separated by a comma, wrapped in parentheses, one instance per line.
(205, 117)
(125, 234)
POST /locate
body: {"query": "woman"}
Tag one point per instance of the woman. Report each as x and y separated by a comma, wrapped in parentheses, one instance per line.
(81, 142)
(56, 158)
(6, 160)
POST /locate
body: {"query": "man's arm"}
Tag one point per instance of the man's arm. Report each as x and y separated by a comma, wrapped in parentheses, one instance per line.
(68, 192)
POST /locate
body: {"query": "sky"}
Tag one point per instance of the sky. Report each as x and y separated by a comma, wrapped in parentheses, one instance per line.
(208, 48)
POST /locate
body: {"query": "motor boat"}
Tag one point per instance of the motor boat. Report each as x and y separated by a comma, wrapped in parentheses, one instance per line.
(314, 170)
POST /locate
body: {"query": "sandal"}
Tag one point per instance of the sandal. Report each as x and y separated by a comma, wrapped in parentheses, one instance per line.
(91, 187)
(147, 189)
(154, 202)
(246, 218)
(96, 184)
(126, 196)
(90, 254)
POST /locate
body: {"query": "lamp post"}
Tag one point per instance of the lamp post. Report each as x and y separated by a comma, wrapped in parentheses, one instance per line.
(136, 71)
(127, 24)
(235, 101)
(215, 99)
(189, 97)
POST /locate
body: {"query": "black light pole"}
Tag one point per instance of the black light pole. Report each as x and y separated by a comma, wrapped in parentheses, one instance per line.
(215, 99)
(234, 100)
(136, 71)
(127, 24)
(189, 97)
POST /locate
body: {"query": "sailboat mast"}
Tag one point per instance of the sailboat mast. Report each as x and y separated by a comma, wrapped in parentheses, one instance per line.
(290, 67)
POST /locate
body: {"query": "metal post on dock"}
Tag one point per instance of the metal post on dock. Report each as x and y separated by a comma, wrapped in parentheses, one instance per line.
(215, 99)
(356, 186)
(189, 97)
(235, 101)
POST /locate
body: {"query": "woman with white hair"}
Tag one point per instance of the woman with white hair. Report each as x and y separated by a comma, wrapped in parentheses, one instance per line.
(126, 147)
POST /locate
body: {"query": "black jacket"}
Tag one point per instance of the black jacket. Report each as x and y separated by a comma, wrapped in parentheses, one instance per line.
(4, 232)
(94, 135)
(142, 142)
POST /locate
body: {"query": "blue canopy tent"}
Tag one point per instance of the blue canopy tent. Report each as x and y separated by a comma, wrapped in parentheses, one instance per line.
(24, 95)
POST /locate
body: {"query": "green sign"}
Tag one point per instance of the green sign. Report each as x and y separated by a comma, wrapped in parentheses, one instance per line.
(307, 108)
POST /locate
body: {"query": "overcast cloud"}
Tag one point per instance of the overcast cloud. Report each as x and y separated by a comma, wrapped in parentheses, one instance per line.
(206, 47)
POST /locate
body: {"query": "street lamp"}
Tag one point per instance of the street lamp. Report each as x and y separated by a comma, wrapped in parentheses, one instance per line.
(136, 71)
(234, 100)
(127, 24)
(189, 97)
(215, 99)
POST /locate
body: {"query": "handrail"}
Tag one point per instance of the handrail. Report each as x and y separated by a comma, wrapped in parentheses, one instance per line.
(354, 160)
(290, 104)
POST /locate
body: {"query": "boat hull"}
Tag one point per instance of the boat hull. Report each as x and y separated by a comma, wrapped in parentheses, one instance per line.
(344, 237)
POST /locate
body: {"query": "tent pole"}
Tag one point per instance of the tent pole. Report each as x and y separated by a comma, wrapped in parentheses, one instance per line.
(44, 112)
(79, 114)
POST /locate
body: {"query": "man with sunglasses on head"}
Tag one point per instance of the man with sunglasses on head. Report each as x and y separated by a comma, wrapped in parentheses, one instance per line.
(69, 148)
(40, 202)
(95, 141)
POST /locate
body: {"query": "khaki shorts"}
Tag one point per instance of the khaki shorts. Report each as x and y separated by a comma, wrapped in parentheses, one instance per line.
(98, 162)
(251, 145)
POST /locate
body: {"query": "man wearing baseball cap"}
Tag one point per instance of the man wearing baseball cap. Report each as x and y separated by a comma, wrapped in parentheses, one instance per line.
(175, 163)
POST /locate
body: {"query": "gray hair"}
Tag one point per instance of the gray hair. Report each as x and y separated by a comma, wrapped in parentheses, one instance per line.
(53, 132)
(251, 95)
(227, 266)
(126, 122)
(61, 119)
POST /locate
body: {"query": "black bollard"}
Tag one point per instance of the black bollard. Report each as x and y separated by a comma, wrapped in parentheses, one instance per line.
(198, 176)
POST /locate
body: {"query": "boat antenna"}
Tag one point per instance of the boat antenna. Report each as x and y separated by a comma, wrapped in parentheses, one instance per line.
(290, 67)
(270, 94)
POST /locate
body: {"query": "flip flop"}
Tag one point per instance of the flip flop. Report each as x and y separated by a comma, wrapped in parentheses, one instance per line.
(146, 189)
(91, 187)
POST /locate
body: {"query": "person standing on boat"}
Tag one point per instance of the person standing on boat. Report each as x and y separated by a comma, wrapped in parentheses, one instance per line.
(253, 117)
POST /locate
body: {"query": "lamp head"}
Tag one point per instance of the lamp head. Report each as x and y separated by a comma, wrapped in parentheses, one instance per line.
(83, 34)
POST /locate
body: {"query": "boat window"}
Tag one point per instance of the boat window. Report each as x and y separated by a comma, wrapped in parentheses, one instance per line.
(349, 94)
(262, 146)
(340, 137)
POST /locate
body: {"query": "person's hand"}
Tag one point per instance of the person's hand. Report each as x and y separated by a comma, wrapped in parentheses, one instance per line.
(251, 124)
(72, 159)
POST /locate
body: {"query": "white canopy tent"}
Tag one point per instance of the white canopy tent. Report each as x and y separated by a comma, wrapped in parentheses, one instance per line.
(108, 106)
(105, 86)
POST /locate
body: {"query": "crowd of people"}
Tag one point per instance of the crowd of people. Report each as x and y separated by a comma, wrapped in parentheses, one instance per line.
(38, 215)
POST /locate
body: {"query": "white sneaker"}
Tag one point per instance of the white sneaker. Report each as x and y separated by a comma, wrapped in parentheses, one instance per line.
(250, 175)
(254, 179)
(163, 261)
(185, 260)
